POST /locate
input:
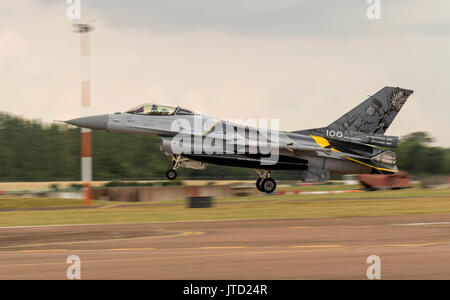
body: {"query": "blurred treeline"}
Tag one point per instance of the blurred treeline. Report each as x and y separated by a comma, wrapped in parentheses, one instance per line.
(418, 157)
(34, 151)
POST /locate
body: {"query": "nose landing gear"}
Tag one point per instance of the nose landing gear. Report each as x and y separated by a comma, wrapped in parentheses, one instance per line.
(172, 174)
(264, 183)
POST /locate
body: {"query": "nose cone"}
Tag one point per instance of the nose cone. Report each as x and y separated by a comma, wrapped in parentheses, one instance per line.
(94, 122)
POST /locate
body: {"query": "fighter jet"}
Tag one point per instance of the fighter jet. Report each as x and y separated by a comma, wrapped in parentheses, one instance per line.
(354, 144)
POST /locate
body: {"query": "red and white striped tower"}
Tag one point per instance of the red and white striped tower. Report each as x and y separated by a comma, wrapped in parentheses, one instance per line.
(86, 140)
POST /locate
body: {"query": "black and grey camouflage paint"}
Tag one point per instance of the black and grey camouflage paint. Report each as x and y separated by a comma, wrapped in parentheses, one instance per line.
(374, 115)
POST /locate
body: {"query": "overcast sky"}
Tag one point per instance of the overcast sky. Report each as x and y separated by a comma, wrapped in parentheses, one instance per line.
(304, 62)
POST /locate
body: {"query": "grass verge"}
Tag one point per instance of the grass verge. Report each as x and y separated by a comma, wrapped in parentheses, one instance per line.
(378, 204)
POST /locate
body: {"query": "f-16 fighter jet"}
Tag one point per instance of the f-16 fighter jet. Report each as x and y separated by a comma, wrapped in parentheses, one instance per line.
(353, 144)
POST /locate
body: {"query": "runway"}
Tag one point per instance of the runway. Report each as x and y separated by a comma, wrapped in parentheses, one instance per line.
(410, 247)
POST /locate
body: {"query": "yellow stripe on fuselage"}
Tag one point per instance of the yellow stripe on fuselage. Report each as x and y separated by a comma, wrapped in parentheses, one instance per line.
(360, 162)
(323, 142)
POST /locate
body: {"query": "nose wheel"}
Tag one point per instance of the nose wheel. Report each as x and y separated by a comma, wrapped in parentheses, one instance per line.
(171, 174)
(264, 183)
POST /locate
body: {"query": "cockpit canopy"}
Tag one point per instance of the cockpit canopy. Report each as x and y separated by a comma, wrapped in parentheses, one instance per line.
(151, 109)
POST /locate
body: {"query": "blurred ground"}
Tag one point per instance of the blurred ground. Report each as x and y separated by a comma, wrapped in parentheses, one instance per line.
(410, 247)
(327, 236)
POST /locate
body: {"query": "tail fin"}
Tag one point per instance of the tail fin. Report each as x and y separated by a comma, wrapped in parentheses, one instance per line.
(376, 113)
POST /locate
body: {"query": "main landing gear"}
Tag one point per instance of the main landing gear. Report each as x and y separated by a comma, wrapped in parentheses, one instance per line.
(172, 174)
(264, 183)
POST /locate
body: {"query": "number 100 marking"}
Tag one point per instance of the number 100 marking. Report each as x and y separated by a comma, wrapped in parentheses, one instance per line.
(332, 133)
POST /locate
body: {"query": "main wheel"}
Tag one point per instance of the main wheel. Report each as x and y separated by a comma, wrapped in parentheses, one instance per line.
(258, 184)
(171, 174)
(268, 185)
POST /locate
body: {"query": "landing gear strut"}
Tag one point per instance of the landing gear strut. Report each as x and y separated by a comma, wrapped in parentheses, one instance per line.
(264, 183)
(172, 174)
(258, 184)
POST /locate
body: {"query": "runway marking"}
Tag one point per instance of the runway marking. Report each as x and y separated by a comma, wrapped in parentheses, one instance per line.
(182, 234)
(337, 226)
(221, 247)
(52, 233)
(317, 246)
(129, 249)
(298, 249)
(42, 251)
(359, 226)
(422, 224)
(170, 257)
(218, 247)
(14, 235)
(82, 250)
(180, 221)
(410, 245)
(419, 245)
